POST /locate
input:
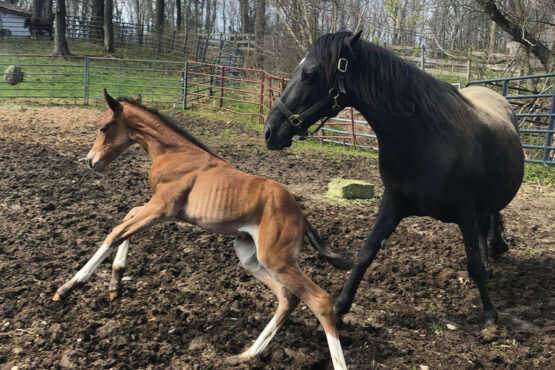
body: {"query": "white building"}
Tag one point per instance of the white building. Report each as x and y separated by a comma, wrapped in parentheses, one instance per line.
(11, 20)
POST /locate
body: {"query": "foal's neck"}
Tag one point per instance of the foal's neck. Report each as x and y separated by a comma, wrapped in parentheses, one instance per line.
(155, 136)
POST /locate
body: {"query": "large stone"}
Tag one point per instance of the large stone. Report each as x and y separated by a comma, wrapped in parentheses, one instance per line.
(350, 189)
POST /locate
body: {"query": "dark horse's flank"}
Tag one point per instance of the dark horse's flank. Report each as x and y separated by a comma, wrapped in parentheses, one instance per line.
(36, 25)
(455, 156)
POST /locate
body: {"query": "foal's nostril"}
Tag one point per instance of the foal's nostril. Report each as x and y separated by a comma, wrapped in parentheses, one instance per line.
(268, 134)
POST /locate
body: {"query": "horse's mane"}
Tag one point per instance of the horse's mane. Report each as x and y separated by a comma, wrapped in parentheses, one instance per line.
(168, 122)
(390, 84)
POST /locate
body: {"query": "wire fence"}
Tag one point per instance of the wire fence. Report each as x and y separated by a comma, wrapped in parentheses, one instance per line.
(242, 91)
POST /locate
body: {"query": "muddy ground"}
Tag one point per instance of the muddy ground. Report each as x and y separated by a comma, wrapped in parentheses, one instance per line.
(187, 303)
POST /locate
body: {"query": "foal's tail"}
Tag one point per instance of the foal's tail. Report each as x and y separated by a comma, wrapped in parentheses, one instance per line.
(340, 262)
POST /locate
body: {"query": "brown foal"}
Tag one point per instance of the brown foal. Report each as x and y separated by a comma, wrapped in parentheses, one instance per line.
(192, 184)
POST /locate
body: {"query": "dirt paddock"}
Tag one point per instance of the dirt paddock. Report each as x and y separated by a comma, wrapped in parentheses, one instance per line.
(187, 303)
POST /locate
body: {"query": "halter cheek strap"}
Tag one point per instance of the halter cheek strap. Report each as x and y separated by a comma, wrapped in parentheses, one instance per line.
(296, 120)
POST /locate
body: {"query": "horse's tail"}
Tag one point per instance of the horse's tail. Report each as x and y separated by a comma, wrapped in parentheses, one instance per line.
(339, 261)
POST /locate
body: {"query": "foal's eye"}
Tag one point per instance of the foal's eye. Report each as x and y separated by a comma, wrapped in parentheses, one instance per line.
(103, 129)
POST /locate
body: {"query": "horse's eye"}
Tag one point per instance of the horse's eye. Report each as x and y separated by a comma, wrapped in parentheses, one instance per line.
(103, 129)
(309, 77)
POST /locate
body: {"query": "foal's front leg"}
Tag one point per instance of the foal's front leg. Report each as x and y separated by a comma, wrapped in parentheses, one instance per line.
(152, 213)
(120, 262)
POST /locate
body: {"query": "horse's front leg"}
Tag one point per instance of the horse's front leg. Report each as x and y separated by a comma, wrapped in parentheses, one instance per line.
(120, 262)
(152, 213)
(390, 213)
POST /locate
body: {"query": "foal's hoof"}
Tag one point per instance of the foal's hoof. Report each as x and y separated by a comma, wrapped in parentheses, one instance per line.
(237, 359)
(114, 295)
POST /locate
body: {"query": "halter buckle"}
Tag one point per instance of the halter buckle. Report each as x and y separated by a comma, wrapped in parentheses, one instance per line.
(342, 65)
(295, 120)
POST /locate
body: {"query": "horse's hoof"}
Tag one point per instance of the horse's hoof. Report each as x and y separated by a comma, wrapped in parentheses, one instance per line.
(114, 295)
(340, 308)
(497, 248)
(56, 297)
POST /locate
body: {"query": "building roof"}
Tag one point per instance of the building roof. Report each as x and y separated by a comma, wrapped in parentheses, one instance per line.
(10, 8)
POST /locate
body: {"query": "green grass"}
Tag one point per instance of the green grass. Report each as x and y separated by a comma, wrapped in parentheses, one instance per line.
(539, 173)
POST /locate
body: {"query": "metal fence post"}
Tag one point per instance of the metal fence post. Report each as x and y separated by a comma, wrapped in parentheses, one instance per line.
(222, 76)
(261, 108)
(550, 128)
(184, 87)
(86, 81)
(505, 89)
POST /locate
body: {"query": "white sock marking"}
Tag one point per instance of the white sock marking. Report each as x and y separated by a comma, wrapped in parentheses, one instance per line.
(263, 339)
(121, 256)
(85, 273)
(336, 352)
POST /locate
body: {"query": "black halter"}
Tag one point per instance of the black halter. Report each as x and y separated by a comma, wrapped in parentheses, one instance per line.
(296, 120)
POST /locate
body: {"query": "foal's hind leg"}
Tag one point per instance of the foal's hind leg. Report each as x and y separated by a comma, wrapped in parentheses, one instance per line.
(497, 242)
(246, 250)
(120, 262)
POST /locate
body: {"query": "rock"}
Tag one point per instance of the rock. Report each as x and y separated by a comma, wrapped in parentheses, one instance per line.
(424, 367)
(66, 362)
(13, 75)
(451, 327)
(350, 189)
(107, 329)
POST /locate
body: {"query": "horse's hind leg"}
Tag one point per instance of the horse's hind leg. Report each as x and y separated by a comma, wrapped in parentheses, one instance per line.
(469, 227)
(483, 229)
(497, 243)
(246, 250)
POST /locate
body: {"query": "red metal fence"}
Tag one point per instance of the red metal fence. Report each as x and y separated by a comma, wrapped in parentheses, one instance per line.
(251, 92)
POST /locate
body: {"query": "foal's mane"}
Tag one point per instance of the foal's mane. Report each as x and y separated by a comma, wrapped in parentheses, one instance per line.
(168, 122)
(391, 84)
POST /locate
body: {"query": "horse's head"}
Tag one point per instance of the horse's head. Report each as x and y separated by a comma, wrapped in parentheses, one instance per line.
(113, 136)
(26, 22)
(316, 90)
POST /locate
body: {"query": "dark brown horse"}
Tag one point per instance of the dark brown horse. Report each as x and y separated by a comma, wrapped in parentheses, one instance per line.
(37, 25)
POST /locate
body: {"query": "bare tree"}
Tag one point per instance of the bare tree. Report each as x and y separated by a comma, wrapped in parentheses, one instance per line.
(260, 30)
(108, 26)
(60, 42)
(520, 33)
(179, 17)
(37, 8)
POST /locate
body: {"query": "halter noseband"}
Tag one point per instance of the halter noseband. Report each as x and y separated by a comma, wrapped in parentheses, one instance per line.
(296, 120)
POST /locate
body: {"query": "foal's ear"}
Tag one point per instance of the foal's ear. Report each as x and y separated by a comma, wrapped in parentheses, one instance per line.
(353, 39)
(114, 105)
(139, 99)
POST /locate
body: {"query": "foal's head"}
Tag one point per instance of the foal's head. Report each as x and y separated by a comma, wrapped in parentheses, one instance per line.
(113, 136)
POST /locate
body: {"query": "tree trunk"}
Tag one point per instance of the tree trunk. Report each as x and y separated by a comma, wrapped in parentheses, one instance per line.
(245, 19)
(179, 17)
(519, 34)
(60, 41)
(159, 21)
(37, 8)
(49, 7)
(108, 26)
(98, 20)
(260, 30)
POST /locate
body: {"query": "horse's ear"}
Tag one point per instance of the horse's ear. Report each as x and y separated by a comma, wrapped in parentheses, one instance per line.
(353, 39)
(139, 99)
(114, 105)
